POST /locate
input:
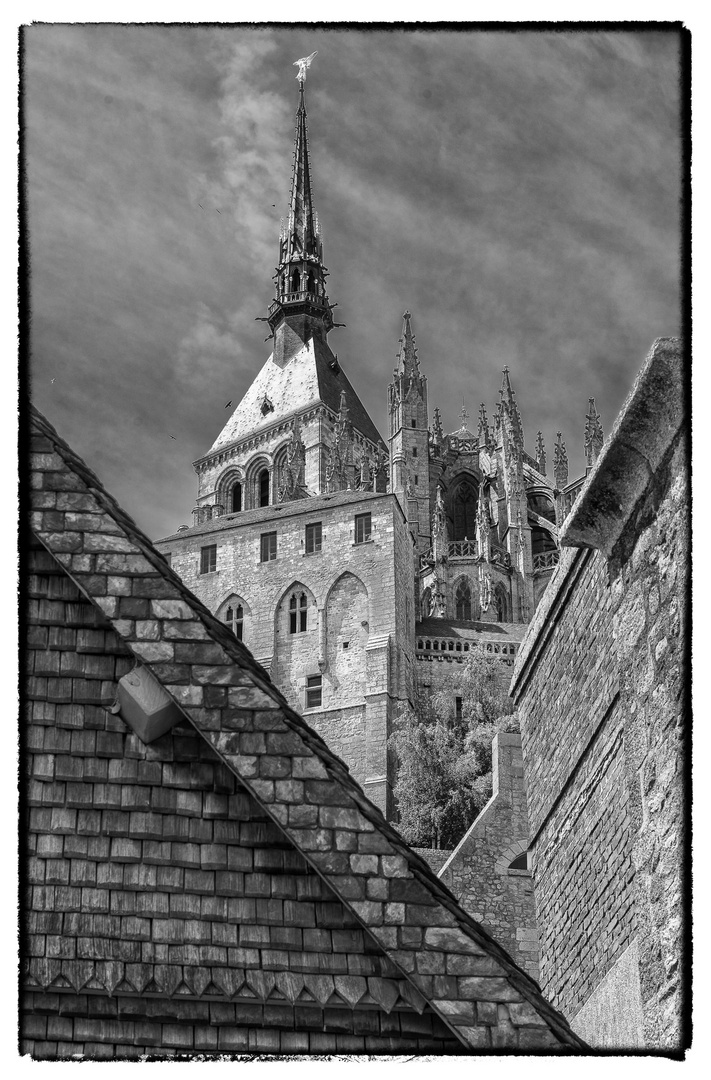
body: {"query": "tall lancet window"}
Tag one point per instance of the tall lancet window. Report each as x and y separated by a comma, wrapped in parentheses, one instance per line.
(236, 499)
(295, 281)
(234, 617)
(263, 487)
(501, 604)
(463, 511)
(463, 600)
(310, 283)
(297, 613)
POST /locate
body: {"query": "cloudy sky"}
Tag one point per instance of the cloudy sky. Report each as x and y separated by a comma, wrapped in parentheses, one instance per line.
(517, 191)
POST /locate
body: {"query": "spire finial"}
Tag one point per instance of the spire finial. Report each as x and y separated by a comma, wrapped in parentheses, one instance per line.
(464, 414)
(303, 64)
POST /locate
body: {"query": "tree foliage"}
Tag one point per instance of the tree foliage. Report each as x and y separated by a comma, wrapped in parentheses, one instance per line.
(444, 760)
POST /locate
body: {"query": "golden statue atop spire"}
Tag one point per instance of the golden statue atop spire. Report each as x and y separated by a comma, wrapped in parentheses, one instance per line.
(304, 63)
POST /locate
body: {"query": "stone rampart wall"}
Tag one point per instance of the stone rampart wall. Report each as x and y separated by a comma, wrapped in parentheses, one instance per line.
(478, 871)
(600, 684)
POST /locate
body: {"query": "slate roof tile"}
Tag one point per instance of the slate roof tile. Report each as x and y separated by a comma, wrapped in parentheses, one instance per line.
(275, 755)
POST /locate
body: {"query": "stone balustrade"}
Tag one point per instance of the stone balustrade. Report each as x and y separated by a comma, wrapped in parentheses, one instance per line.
(546, 560)
(455, 650)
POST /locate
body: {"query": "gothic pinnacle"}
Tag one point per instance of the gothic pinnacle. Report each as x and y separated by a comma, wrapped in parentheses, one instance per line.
(510, 408)
(560, 463)
(407, 355)
(437, 429)
(593, 434)
(483, 431)
(540, 453)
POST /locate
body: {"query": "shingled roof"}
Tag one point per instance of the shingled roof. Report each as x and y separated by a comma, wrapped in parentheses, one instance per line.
(442, 956)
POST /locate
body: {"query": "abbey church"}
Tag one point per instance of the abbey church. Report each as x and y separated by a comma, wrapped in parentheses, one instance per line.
(358, 571)
(207, 790)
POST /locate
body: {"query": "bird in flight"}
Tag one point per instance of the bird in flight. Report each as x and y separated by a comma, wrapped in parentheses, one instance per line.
(218, 211)
(173, 437)
(201, 206)
(228, 403)
(303, 64)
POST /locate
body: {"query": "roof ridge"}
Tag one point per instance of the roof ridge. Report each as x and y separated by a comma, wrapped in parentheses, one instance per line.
(248, 723)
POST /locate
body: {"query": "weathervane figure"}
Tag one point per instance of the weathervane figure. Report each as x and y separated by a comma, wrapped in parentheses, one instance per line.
(304, 63)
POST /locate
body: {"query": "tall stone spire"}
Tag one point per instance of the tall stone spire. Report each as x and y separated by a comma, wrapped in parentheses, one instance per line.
(300, 237)
(301, 301)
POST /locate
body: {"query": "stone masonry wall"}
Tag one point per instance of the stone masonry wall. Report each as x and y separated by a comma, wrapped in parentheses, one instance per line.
(600, 687)
(358, 594)
(478, 870)
(165, 914)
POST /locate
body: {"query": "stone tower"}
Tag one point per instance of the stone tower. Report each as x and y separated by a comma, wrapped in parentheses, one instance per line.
(360, 575)
(297, 542)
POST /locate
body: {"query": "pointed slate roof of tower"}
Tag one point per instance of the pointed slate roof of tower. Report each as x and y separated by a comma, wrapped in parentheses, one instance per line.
(231, 702)
(302, 370)
(312, 375)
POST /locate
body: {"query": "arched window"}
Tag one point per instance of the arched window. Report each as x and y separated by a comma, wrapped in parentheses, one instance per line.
(236, 498)
(234, 617)
(298, 607)
(541, 541)
(463, 600)
(295, 281)
(263, 487)
(502, 604)
(426, 603)
(463, 512)
(520, 862)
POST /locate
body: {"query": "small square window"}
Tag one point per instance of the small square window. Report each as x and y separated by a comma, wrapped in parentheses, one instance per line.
(414, 451)
(268, 547)
(362, 528)
(346, 644)
(413, 423)
(208, 559)
(313, 538)
(313, 691)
